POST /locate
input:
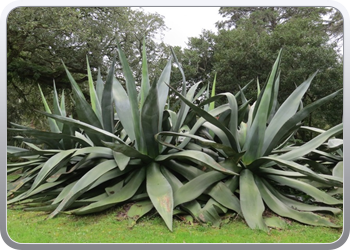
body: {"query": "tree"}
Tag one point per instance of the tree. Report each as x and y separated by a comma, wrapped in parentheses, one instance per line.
(40, 38)
(248, 42)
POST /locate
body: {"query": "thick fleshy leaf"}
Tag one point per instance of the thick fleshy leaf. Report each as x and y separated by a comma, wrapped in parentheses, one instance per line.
(252, 205)
(56, 106)
(150, 121)
(95, 101)
(222, 194)
(52, 123)
(54, 163)
(196, 157)
(285, 112)
(83, 184)
(128, 191)
(318, 195)
(107, 102)
(123, 108)
(187, 171)
(127, 150)
(281, 209)
(121, 159)
(212, 104)
(99, 86)
(302, 206)
(312, 144)
(98, 133)
(163, 89)
(202, 122)
(145, 85)
(209, 213)
(160, 193)
(256, 134)
(338, 170)
(138, 210)
(290, 125)
(132, 94)
(209, 118)
(83, 108)
(194, 188)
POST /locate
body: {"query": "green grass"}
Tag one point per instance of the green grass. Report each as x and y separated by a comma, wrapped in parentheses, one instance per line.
(107, 227)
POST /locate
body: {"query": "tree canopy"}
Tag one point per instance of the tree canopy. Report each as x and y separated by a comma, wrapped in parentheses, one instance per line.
(242, 49)
(39, 39)
(249, 39)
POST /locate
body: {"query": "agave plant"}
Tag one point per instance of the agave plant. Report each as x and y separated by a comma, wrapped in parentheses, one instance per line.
(96, 161)
(269, 166)
(126, 146)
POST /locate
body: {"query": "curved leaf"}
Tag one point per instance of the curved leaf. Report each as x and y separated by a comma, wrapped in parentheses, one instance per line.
(281, 209)
(252, 205)
(160, 193)
(83, 184)
(194, 188)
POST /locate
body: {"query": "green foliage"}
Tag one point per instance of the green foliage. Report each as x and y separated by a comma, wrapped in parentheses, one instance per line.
(128, 146)
(38, 38)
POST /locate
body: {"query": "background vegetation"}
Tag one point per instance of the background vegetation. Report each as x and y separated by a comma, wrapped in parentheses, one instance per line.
(104, 158)
(242, 49)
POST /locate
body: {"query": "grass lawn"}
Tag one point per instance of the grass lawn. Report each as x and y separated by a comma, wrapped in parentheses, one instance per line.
(110, 227)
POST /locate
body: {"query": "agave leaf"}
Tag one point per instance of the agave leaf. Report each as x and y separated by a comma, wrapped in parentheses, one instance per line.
(121, 160)
(132, 93)
(63, 104)
(138, 210)
(187, 171)
(50, 137)
(209, 118)
(222, 194)
(202, 142)
(56, 106)
(128, 191)
(252, 205)
(275, 222)
(107, 101)
(285, 112)
(201, 121)
(160, 193)
(256, 134)
(83, 184)
(290, 125)
(317, 194)
(281, 209)
(209, 213)
(53, 125)
(95, 101)
(312, 144)
(194, 188)
(64, 192)
(296, 205)
(196, 157)
(182, 115)
(99, 86)
(83, 108)
(44, 187)
(92, 131)
(145, 85)
(150, 121)
(174, 182)
(338, 170)
(127, 151)
(123, 108)
(212, 104)
(183, 105)
(54, 163)
(163, 89)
